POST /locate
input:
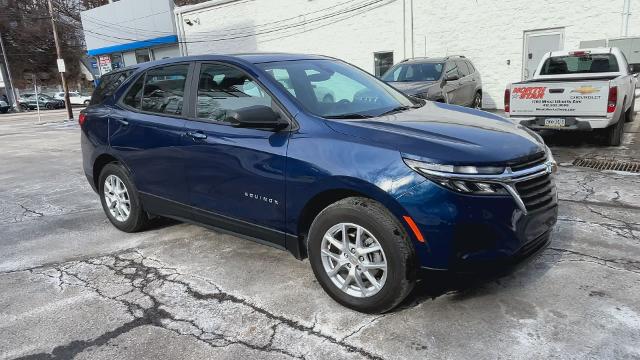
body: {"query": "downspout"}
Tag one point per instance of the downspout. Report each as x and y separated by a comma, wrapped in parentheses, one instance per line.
(626, 8)
(412, 50)
(404, 29)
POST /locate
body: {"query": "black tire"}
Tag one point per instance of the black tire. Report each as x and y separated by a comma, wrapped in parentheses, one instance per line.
(397, 247)
(49, 106)
(87, 102)
(477, 101)
(138, 218)
(631, 112)
(4, 111)
(613, 134)
(24, 107)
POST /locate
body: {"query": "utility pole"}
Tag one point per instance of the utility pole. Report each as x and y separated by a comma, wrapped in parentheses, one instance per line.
(67, 102)
(15, 104)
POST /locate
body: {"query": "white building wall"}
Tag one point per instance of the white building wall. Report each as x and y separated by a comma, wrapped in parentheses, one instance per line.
(489, 32)
(351, 37)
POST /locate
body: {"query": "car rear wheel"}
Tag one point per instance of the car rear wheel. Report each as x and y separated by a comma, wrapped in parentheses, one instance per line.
(86, 103)
(477, 101)
(120, 199)
(4, 111)
(361, 255)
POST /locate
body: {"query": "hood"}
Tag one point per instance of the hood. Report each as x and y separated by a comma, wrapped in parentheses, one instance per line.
(412, 88)
(447, 134)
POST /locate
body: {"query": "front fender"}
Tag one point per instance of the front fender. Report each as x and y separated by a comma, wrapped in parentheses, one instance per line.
(318, 165)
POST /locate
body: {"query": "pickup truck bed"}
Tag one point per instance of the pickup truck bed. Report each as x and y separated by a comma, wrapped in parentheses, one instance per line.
(582, 90)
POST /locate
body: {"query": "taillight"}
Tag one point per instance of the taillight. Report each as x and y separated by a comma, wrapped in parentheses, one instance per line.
(81, 118)
(507, 100)
(613, 99)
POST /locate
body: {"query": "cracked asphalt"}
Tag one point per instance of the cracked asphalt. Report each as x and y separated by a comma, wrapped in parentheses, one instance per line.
(72, 286)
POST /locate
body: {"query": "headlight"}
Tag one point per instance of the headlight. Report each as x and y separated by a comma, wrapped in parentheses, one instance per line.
(445, 175)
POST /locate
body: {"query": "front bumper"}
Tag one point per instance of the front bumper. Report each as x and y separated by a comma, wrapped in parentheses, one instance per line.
(463, 231)
(571, 123)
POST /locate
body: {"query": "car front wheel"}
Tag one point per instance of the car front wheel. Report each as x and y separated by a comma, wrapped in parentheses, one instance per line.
(120, 199)
(361, 255)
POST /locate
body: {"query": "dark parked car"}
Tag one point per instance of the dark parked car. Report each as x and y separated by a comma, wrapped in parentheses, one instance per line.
(4, 106)
(371, 186)
(45, 102)
(452, 79)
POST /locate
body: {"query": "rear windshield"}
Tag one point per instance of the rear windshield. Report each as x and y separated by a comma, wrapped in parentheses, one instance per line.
(580, 64)
(109, 83)
(414, 72)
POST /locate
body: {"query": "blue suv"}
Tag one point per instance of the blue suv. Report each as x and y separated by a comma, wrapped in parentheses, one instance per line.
(369, 184)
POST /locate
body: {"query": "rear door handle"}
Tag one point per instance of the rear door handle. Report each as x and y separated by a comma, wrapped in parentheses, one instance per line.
(196, 135)
(121, 120)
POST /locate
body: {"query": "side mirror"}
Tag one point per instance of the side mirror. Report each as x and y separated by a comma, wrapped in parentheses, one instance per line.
(258, 117)
(452, 77)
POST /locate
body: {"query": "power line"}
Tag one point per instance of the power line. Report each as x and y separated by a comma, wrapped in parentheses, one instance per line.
(118, 26)
(268, 31)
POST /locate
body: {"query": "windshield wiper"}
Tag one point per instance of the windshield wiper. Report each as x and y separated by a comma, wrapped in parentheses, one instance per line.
(348, 116)
(398, 109)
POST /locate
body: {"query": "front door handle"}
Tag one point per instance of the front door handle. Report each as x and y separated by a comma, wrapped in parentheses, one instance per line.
(196, 135)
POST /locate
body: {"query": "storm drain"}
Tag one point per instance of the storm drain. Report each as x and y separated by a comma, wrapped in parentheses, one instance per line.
(608, 164)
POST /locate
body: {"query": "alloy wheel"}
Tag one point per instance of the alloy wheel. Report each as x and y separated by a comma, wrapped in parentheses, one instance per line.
(117, 198)
(354, 260)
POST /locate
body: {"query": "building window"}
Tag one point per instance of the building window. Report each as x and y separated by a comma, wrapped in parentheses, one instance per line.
(142, 55)
(382, 61)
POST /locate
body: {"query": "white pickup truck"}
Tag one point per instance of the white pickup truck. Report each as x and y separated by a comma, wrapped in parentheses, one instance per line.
(590, 89)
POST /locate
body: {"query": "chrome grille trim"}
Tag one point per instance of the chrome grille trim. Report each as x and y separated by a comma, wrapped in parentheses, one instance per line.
(509, 179)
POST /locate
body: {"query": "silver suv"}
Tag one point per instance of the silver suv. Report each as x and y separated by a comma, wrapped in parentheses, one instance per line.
(451, 79)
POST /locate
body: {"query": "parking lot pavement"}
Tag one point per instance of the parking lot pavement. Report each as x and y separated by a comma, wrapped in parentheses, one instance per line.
(74, 286)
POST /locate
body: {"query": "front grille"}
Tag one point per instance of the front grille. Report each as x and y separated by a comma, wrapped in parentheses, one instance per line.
(537, 159)
(536, 193)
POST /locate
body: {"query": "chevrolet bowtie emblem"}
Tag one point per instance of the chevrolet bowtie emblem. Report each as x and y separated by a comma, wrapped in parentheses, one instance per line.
(584, 90)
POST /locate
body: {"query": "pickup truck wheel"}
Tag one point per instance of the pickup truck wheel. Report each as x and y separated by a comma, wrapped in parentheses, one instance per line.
(631, 112)
(614, 132)
(361, 255)
(120, 199)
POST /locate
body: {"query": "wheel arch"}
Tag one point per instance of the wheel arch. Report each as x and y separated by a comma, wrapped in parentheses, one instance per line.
(325, 197)
(101, 161)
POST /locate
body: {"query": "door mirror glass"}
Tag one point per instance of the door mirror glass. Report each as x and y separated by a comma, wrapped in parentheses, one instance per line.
(256, 116)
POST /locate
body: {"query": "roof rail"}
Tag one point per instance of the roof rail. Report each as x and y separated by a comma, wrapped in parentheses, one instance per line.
(413, 58)
(460, 56)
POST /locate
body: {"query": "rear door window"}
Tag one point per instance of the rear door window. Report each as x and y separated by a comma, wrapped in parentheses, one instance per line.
(470, 66)
(108, 84)
(462, 68)
(133, 98)
(163, 90)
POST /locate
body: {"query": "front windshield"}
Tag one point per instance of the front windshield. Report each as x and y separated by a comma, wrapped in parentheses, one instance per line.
(334, 89)
(414, 72)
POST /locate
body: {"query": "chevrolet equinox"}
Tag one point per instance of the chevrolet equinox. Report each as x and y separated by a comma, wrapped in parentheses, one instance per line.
(369, 184)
